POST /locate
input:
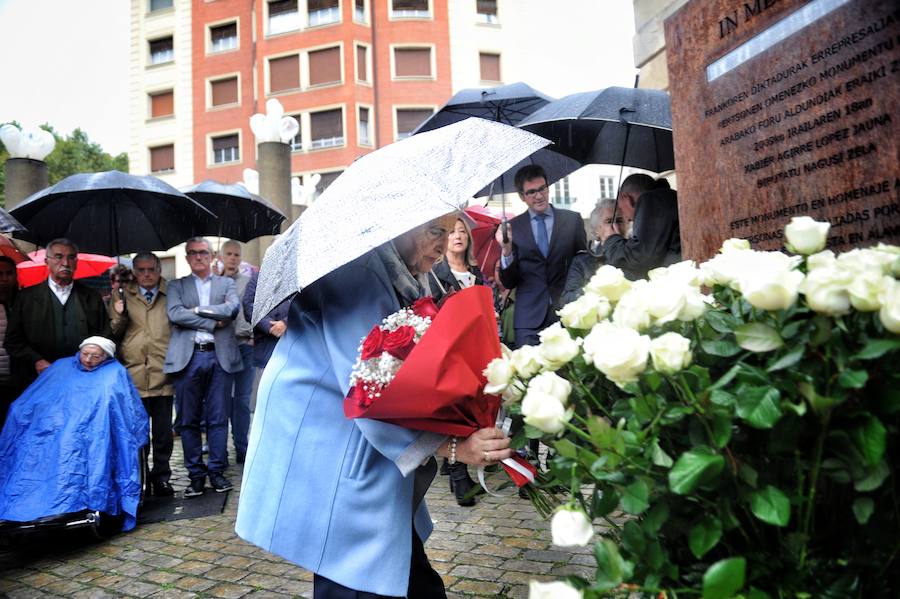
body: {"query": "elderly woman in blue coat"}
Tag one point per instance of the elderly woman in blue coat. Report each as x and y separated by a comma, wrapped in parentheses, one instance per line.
(344, 498)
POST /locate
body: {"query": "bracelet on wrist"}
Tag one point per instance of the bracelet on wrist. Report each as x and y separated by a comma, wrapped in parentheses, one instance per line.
(453, 442)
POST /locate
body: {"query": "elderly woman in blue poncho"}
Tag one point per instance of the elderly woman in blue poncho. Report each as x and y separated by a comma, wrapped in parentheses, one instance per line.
(71, 440)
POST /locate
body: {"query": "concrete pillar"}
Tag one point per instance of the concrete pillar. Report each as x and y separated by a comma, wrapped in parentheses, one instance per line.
(24, 177)
(274, 165)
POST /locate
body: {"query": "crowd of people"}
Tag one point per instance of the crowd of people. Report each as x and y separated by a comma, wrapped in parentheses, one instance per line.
(188, 344)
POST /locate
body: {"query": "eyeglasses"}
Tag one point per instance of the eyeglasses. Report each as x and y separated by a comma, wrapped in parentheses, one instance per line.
(62, 257)
(530, 193)
(145, 271)
(92, 356)
(201, 253)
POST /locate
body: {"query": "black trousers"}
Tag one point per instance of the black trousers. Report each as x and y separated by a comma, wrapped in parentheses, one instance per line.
(159, 409)
(424, 582)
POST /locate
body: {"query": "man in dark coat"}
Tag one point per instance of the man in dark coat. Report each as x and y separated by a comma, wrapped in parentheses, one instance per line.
(540, 248)
(655, 239)
(48, 321)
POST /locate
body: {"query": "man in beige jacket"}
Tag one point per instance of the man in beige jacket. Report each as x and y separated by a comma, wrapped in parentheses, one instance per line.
(140, 322)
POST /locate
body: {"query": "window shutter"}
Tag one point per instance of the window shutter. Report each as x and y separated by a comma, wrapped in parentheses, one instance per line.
(325, 66)
(326, 124)
(412, 62)
(490, 67)
(162, 104)
(284, 73)
(362, 64)
(162, 158)
(224, 91)
(410, 118)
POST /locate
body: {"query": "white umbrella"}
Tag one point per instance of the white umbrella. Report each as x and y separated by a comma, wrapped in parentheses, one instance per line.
(385, 194)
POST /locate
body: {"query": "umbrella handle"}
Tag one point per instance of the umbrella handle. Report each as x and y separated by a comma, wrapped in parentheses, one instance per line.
(504, 230)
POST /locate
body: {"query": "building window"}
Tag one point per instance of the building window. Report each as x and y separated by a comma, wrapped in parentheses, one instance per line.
(326, 128)
(365, 135)
(223, 92)
(156, 5)
(284, 73)
(487, 11)
(362, 63)
(325, 66)
(325, 180)
(223, 37)
(323, 12)
(296, 142)
(162, 50)
(412, 62)
(410, 118)
(162, 104)
(410, 9)
(561, 193)
(607, 188)
(359, 11)
(226, 148)
(283, 16)
(162, 159)
(490, 66)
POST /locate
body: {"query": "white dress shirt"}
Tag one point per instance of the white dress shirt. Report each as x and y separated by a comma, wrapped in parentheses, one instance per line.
(62, 292)
(204, 287)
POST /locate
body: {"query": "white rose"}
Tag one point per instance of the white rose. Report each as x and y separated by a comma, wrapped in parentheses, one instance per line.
(619, 353)
(608, 282)
(499, 373)
(891, 256)
(553, 590)
(826, 290)
(557, 347)
(879, 260)
(526, 361)
(865, 288)
(684, 272)
(823, 259)
(806, 236)
(571, 527)
(775, 290)
(695, 305)
(890, 306)
(633, 309)
(513, 393)
(544, 411)
(670, 353)
(584, 312)
(665, 299)
(734, 244)
(551, 384)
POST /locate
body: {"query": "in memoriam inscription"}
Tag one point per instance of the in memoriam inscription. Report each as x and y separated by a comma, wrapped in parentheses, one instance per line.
(784, 108)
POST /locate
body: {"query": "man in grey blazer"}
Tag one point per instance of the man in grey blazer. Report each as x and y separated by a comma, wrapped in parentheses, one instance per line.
(202, 357)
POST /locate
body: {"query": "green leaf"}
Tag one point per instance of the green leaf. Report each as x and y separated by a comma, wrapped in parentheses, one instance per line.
(566, 448)
(758, 337)
(771, 506)
(722, 398)
(655, 518)
(876, 348)
(759, 406)
(605, 500)
(610, 565)
(721, 430)
(653, 380)
(727, 377)
(816, 401)
(724, 578)
(694, 467)
(853, 379)
(788, 359)
(720, 321)
(635, 497)
(873, 478)
(748, 474)
(704, 535)
(660, 457)
(870, 438)
(863, 508)
(721, 348)
(633, 537)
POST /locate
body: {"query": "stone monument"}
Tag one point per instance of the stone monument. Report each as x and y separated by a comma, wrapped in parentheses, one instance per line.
(783, 108)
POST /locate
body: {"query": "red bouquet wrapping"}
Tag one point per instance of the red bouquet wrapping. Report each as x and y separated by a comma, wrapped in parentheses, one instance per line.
(436, 383)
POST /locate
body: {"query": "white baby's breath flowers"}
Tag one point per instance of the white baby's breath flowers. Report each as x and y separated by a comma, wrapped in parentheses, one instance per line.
(619, 353)
(570, 527)
(557, 348)
(804, 235)
(670, 352)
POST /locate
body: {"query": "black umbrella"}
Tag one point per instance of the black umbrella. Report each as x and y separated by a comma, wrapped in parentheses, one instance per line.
(507, 104)
(111, 213)
(239, 214)
(8, 224)
(616, 125)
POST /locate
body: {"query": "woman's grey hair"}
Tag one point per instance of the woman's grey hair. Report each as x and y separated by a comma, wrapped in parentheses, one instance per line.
(600, 207)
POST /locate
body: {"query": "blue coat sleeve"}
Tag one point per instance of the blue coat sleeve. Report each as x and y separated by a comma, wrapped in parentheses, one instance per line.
(346, 320)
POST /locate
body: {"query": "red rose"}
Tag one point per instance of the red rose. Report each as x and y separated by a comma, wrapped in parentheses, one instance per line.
(360, 397)
(425, 307)
(400, 342)
(373, 345)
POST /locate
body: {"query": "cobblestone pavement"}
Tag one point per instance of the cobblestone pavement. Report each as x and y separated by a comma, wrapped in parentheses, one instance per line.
(490, 550)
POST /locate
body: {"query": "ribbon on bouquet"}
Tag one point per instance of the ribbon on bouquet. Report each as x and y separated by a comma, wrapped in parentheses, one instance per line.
(518, 468)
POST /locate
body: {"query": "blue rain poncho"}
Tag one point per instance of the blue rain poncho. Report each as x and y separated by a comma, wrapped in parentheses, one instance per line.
(71, 443)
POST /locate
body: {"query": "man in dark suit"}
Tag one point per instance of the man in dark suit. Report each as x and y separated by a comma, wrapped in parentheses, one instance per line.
(656, 238)
(534, 261)
(202, 357)
(49, 321)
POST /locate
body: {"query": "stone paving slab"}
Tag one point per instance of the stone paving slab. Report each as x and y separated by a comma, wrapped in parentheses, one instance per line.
(490, 550)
